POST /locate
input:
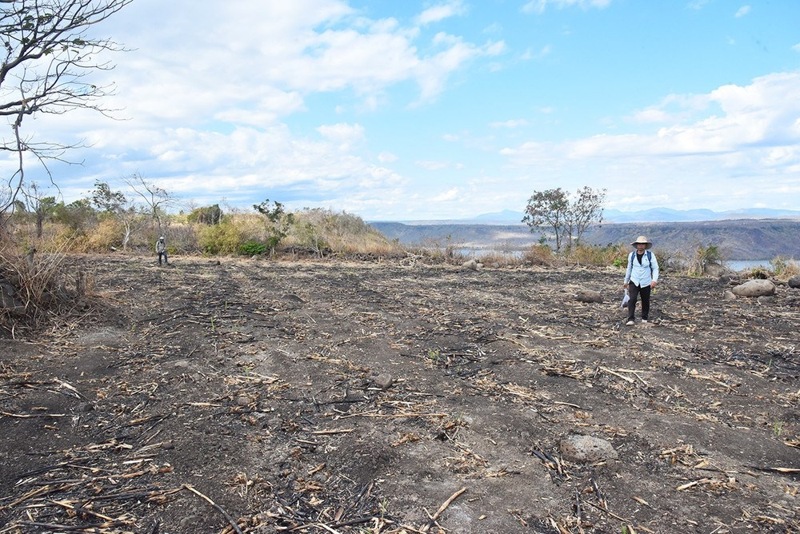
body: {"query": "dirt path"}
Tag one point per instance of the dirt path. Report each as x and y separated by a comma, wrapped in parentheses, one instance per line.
(340, 397)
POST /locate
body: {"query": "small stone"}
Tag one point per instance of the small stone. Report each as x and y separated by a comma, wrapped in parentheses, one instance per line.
(586, 449)
(384, 381)
(586, 295)
(728, 295)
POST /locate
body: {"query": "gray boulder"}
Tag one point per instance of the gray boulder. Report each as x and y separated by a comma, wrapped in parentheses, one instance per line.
(754, 288)
(471, 265)
(794, 281)
(583, 449)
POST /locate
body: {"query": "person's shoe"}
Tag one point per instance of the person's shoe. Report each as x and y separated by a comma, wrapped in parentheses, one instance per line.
(644, 321)
(629, 323)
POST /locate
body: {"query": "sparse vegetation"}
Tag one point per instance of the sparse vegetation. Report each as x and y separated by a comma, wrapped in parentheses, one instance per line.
(539, 255)
(703, 259)
(784, 268)
(599, 256)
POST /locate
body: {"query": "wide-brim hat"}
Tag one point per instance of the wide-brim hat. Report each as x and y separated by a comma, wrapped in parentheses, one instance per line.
(642, 239)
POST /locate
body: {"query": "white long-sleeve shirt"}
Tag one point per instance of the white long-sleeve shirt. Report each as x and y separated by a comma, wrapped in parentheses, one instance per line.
(641, 274)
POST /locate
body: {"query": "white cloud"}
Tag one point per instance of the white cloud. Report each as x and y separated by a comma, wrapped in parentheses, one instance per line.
(446, 196)
(344, 135)
(432, 165)
(440, 12)
(742, 12)
(747, 130)
(539, 6)
(511, 123)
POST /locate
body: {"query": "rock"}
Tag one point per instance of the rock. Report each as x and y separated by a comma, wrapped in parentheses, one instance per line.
(728, 295)
(384, 381)
(794, 281)
(586, 295)
(471, 265)
(714, 269)
(586, 449)
(754, 288)
(8, 299)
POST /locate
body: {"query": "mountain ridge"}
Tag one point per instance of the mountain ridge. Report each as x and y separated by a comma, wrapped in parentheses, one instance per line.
(611, 216)
(736, 239)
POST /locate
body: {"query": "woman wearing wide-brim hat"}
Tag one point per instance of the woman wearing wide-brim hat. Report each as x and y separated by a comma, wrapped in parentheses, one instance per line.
(640, 277)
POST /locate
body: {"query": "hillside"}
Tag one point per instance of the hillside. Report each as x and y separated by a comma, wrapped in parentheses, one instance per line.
(745, 239)
(260, 396)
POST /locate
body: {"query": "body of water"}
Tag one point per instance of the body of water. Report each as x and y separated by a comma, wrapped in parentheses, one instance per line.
(744, 265)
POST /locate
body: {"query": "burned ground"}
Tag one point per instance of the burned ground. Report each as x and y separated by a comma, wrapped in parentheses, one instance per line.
(255, 396)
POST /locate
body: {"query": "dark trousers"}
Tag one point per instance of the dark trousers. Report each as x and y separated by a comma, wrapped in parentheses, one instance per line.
(160, 254)
(634, 291)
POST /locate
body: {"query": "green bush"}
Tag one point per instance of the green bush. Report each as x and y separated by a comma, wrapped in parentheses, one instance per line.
(223, 238)
(252, 248)
(758, 273)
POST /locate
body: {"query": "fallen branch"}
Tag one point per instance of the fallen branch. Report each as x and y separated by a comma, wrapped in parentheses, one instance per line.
(32, 416)
(217, 507)
(441, 509)
(695, 483)
(618, 375)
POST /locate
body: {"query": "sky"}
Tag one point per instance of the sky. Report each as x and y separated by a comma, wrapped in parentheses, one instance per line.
(445, 109)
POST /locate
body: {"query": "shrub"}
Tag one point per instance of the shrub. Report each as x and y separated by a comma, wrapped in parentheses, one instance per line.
(323, 231)
(703, 258)
(600, 256)
(39, 288)
(223, 238)
(784, 268)
(539, 255)
(107, 234)
(252, 248)
(207, 215)
(759, 273)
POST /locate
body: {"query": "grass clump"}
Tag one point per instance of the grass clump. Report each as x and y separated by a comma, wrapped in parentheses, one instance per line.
(36, 288)
(704, 259)
(784, 268)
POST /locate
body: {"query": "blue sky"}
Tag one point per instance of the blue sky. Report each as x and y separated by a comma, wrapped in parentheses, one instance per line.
(425, 110)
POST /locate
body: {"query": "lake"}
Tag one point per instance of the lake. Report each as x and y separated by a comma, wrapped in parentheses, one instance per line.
(744, 265)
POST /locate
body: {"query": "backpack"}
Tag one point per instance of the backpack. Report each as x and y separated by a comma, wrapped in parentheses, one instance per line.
(649, 260)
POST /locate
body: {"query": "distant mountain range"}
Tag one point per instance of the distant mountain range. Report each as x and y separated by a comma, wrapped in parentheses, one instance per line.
(737, 239)
(651, 215)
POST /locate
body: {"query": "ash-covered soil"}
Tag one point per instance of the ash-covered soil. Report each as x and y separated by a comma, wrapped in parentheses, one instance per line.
(315, 397)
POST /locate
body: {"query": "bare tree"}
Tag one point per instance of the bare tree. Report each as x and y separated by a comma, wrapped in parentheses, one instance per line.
(585, 210)
(156, 198)
(41, 206)
(117, 205)
(46, 57)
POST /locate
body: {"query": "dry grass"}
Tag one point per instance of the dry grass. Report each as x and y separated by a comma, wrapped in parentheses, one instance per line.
(38, 288)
